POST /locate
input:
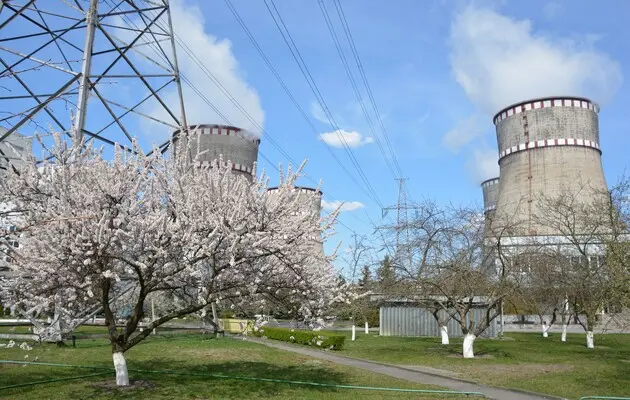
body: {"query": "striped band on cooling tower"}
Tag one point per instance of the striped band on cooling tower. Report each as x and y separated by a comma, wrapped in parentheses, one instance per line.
(490, 208)
(490, 182)
(550, 143)
(221, 130)
(235, 166)
(544, 103)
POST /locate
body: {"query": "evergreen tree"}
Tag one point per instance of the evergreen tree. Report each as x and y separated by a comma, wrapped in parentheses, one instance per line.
(366, 277)
(385, 274)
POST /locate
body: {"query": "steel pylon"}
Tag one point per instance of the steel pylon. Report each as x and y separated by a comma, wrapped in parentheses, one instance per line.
(95, 70)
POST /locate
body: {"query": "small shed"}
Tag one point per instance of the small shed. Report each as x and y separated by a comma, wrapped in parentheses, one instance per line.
(408, 317)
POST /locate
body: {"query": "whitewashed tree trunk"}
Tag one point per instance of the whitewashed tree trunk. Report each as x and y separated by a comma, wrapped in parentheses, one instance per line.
(564, 333)
(122, 376)
(444, 334)
(367, 328)
(354, 333)
(469, 341)
(589, 340)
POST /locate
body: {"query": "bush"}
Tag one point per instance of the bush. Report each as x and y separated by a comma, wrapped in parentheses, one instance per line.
(309, 338)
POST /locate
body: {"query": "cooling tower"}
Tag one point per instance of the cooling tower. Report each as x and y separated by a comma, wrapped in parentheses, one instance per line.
(310, 199)
(13, 148)
(490, 189)
(546, 147)
(311, 202)
(236, 145)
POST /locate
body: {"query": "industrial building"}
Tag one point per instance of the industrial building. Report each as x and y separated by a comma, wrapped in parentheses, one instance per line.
(235, 145)
(547, 146)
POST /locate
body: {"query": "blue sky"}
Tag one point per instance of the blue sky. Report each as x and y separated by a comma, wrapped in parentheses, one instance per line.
(438, 70)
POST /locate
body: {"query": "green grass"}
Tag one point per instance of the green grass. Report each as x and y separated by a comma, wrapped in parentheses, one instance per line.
(523, 360)
(194, 354)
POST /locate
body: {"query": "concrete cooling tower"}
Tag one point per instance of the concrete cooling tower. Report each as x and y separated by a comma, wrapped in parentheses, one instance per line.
(236, 145)
(13, 148)
(490, 189)
(546, 146)
(311, 202)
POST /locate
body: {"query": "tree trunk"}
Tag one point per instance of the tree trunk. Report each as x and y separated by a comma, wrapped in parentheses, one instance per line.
(354, 333)
(564, 333)
(444, 334)
(589, 340)
(122, 376)
(469, 340)
(367, 328)
(544, 330)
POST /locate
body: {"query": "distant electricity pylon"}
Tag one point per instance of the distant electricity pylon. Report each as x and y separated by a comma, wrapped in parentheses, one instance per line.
(403, 249)
(101, 70)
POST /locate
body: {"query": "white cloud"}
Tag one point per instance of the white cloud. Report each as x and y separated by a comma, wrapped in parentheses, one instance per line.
(338, 137)
(345, 205)
(499, 61)
(484, 164)
(318, 113)
(217, 57)
(465, 132)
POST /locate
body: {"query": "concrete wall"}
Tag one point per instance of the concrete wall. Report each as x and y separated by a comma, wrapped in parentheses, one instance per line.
(546, 147)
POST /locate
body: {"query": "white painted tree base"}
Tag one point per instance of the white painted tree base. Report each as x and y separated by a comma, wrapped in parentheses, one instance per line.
(444, 334)
(545, 330)
(563, 338)
(354, 333)
(367, 329)
(469, 341)
(122, 375)
(589, 340)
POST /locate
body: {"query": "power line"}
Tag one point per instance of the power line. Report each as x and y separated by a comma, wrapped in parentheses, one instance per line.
(288, 92)
(353, 83)
(308, 77)
(344, 23)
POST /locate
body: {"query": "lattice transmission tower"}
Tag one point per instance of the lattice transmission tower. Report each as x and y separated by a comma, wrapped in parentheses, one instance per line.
(95, 70)
(403, 250)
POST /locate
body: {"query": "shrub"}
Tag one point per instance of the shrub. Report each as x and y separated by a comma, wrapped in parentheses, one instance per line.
(320, 339)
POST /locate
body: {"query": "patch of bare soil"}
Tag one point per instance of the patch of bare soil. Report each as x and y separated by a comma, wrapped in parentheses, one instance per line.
(111, 386)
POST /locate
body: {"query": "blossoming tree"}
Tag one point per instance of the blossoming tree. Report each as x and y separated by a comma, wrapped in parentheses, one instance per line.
(151, 226)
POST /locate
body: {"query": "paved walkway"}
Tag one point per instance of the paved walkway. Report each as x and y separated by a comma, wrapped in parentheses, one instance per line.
(406, 374)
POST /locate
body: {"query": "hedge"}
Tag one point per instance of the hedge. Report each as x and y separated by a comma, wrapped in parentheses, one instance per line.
(309, 338)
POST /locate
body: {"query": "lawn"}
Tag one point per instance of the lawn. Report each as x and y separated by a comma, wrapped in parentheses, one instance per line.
(195, 354)
(522, 360)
